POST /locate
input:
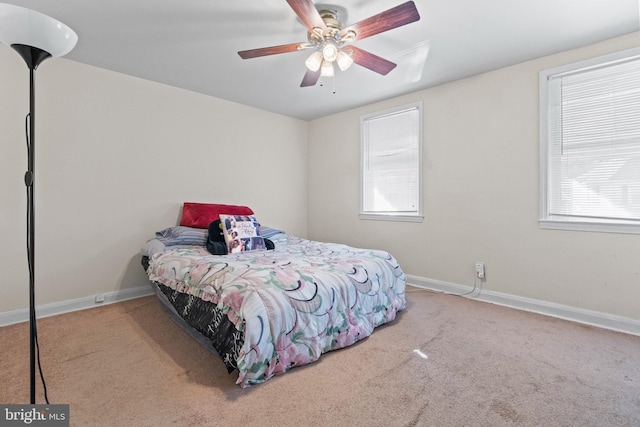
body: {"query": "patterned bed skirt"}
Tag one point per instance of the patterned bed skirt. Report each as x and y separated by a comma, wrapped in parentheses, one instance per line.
(206, 319)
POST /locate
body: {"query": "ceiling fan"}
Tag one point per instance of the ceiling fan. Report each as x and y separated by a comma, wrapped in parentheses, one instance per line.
(328, 38)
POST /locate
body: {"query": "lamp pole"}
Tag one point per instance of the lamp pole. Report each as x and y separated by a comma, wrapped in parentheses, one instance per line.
(35, 37)
(32, 56)
(29, 180)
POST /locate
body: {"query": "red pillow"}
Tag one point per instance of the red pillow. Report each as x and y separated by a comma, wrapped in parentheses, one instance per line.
(200, 215)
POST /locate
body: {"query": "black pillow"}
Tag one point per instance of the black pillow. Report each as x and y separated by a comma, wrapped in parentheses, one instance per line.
(269, 244)
(215, 240)
(216, 248)
(215, 231)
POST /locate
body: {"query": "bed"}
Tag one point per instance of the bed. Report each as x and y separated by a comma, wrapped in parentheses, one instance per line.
(266, 311)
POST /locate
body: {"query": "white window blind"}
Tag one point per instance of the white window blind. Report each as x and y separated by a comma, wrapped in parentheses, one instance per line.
(391, 163)
(593, 143)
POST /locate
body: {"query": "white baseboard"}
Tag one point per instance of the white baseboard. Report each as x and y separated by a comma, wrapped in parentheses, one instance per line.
(588, 317)
(19, 316)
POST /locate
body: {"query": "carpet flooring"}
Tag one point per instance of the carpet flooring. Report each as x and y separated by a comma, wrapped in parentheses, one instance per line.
(445, 361)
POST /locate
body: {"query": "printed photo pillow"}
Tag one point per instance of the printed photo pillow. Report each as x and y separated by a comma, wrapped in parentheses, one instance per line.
(241, 233)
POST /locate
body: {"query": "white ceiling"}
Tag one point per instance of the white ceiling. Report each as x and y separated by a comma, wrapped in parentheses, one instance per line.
(193, 44)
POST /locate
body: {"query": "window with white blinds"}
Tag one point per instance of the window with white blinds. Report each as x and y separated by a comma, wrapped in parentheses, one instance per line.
(391, 164)
(590, 145)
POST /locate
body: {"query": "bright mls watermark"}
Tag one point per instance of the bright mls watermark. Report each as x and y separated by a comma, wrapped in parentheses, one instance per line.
(36, 415)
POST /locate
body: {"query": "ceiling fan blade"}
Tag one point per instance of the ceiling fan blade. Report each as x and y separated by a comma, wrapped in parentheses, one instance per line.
(395, 17)
(370, 61)
(310, 78)
(307, 13)
(273, 50)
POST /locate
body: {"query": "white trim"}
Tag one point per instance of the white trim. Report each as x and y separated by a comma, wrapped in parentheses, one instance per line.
(61, 307)
(543, 161)
(389, 217)
(621, 56)
(587, 317)
(590, 226)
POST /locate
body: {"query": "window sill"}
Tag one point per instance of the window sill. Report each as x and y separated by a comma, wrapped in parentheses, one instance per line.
(603, 227)
(383, 217)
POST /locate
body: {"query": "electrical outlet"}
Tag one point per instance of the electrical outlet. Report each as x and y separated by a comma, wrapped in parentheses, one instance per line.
(99, 299)
(480, 270)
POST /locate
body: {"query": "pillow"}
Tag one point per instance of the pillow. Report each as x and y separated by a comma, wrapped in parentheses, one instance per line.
(216, 248)
(215, 231)
(266, 231)
(215, 240)
(241, 233)
(182, 236)
(200, 215)
(152, 247)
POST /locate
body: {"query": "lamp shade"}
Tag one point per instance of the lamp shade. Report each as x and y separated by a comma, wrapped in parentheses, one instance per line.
(326, 70)
(314, 61)
(344, 60)
(22, 26)
(329, 51)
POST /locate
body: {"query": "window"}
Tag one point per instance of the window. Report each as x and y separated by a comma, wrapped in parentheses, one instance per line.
(590, 145)
(391, 164)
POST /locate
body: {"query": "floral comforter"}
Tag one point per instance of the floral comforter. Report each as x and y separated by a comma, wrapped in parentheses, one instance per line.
(291, 304)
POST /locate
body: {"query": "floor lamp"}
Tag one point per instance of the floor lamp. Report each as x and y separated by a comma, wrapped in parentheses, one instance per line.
(35, 37)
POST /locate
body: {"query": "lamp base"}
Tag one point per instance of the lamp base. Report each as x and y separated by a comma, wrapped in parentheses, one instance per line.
(33, 56)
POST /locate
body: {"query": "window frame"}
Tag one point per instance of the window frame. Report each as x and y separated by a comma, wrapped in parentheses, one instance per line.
(418, 216)
(547, 220)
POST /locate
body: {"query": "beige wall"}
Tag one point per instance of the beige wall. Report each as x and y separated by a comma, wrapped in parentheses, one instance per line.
(481, 175)
(116, 157)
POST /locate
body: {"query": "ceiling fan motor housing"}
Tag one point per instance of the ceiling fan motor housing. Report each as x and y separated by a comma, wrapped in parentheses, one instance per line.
(330, 19)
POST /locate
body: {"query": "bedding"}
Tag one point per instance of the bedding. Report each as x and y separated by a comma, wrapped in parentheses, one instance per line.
(266, 312)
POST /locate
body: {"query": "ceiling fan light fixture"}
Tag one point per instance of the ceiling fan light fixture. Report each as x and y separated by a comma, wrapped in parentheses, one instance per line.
(326, 69)
(344, 60)
(329, 51)
(327, 38)
(314, 61)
